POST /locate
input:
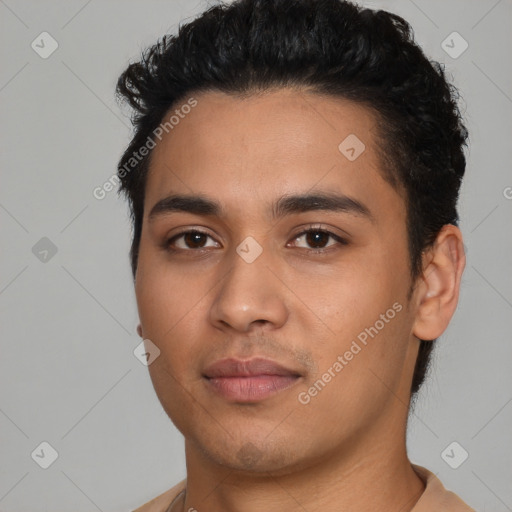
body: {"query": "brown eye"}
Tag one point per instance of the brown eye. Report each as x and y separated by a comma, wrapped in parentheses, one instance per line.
(189, 240)
(194, 240)
(318, 239)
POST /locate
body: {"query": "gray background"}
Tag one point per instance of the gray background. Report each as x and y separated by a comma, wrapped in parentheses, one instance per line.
(67, 369)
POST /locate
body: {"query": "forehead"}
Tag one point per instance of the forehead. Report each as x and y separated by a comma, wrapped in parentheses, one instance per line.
(242, 151)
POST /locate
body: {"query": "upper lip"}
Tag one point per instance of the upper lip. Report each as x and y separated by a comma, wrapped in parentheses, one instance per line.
(232, 367)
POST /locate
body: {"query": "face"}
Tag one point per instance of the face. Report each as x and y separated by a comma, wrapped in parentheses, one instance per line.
(279, 346)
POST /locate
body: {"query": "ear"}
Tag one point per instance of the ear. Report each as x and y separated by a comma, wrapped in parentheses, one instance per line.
(139, 330)
(437, 290)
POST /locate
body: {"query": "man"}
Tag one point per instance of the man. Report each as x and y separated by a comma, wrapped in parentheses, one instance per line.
(293, 180)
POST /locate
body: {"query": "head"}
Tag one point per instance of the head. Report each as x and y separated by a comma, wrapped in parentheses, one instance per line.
(247, 106)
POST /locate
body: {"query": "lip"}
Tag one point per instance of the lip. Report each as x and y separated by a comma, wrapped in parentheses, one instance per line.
(249, 381)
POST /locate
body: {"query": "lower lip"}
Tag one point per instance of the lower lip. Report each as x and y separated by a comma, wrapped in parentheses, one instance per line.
(253, 388)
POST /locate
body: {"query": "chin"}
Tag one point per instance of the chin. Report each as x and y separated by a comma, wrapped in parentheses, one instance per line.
(253, 457)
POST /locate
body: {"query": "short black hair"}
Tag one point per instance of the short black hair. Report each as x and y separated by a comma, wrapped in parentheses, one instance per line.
(330, 47)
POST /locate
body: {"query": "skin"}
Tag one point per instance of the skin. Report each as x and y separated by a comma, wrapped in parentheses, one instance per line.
(345, 449)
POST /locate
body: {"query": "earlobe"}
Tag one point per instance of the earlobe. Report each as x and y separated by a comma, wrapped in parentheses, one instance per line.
(438, 289)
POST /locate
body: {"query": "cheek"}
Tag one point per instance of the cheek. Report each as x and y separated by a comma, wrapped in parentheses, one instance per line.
(357, 380)
(165, 297)
(168, 313)
(349, 297)
(172, 307)
(362, 316)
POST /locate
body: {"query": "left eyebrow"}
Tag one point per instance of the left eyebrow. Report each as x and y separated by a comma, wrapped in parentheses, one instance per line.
(288, 205)
(285, 205)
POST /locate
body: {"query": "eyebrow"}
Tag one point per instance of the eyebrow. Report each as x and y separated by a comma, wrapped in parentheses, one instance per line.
(285, 205)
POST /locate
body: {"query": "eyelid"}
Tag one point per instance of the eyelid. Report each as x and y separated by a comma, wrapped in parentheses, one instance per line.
(325, 229)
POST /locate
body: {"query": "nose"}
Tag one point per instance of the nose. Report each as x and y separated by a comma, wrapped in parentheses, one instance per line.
(250, 296)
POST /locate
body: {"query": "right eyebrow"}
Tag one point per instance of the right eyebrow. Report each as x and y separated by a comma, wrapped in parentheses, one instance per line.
(197, 205)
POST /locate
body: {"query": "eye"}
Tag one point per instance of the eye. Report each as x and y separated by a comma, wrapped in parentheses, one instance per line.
(189, 240)
(318, 239)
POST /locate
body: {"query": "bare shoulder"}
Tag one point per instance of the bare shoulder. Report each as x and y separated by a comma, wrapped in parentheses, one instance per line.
(161, 503)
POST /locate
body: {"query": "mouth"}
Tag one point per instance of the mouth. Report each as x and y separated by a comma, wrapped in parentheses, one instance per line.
(249, 381)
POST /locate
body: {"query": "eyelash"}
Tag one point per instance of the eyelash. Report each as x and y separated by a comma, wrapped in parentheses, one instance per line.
(312, 229)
